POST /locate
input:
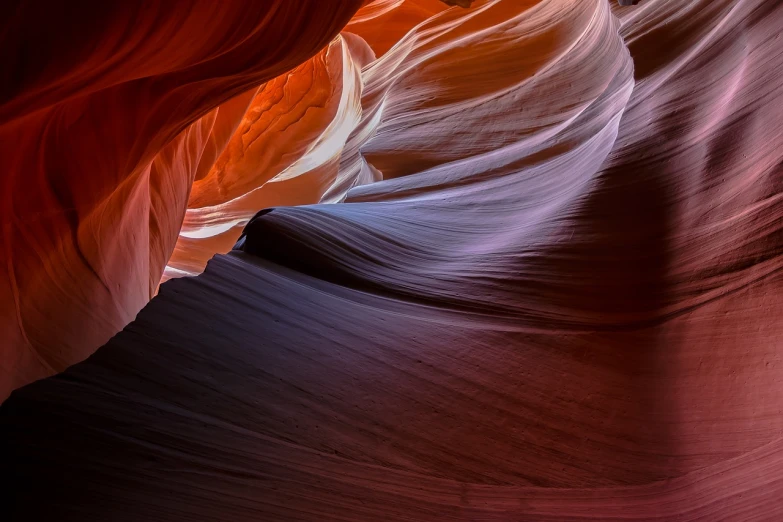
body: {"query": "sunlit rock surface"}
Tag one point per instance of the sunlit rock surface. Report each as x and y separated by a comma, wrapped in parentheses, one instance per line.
(286, 151)
(544, 282)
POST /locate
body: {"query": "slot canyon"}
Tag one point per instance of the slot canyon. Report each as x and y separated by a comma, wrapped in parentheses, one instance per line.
(391, 260)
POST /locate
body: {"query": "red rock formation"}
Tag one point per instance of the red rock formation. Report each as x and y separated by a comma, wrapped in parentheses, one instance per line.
(104, 123)
(383, 23)
(551, 288)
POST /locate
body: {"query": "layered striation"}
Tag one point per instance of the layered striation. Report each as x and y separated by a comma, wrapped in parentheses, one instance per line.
(534, 273)
(105, 122)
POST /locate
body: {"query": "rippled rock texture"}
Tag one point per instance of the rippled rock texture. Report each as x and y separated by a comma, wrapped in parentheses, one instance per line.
(105, 123)
(535, 272)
